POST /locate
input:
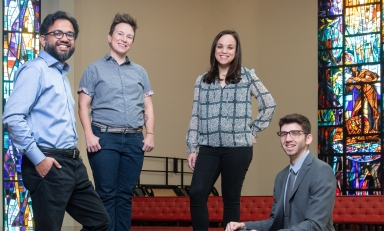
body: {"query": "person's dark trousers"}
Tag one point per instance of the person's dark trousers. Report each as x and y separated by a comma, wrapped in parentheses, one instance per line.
(232, 164)
(116, 170)
(64, 189)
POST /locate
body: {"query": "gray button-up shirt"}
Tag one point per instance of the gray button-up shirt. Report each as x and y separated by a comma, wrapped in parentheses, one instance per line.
(117, 92)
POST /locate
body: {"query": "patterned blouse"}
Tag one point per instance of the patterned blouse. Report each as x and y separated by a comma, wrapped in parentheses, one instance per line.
(222, 117)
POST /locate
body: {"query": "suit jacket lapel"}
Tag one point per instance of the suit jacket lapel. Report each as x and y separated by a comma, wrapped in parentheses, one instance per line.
(280, 205)
(278, 222)
(303, 170)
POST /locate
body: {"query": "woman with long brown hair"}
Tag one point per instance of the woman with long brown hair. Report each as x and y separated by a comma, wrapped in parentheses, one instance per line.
(221, 127)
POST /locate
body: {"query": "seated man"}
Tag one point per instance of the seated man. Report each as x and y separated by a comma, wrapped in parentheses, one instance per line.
(304, 191)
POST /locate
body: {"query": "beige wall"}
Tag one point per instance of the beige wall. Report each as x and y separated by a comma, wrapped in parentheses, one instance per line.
(173, 44)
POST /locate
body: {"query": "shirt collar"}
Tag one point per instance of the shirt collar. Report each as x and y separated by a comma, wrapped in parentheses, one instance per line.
(108, 57)
(299, 162)
(51, 61)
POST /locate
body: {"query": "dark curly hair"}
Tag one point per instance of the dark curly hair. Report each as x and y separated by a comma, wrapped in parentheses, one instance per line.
(234, 72)
(51, 18)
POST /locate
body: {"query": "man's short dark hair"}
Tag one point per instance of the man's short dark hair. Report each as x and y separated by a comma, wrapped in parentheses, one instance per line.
(123, 18)
(51, 18)
(296, 118)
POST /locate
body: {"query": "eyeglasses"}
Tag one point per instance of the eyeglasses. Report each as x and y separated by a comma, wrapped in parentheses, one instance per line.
(59, 34)
(294, 134)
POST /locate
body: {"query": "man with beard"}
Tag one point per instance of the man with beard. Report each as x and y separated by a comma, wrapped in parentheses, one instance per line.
(40, 119)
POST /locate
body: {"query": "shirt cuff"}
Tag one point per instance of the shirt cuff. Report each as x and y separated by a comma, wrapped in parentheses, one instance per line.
(191, 150)
(83, 89)
(149, 93)
(35, 155)
(254, 131)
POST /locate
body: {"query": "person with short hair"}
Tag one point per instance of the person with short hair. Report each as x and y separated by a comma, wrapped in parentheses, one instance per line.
(118, 93)
(40, 118)
(304, 192)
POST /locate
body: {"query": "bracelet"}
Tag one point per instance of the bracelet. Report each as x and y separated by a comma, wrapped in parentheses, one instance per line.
(150, 133)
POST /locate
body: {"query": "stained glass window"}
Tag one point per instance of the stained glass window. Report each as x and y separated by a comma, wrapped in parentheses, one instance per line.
(21, 43)
(350, 83)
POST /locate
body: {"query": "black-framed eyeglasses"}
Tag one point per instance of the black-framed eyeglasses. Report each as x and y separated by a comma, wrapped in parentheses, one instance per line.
(59, 34)
(294, 134)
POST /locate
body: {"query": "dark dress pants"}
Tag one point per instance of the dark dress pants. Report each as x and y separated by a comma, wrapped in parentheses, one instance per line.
(232, 164)
(64, 189)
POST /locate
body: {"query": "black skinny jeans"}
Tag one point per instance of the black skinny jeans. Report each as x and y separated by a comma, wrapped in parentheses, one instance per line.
(232, 164)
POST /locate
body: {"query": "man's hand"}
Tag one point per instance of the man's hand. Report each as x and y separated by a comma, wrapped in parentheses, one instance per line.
(191, 160)
(44, 166)
(232, 226)
(92, 143)
(149, 143)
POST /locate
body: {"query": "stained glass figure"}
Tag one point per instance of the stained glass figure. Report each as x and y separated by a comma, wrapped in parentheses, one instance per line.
(350, 117)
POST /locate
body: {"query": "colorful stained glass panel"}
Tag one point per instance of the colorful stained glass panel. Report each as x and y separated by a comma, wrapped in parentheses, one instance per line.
(363, 176)
(330, 140)
(337, 163)
(12, 164)
(18, 206)
(359, 2)
(330, 117)
(359, 144)
(350, 117)
(330, 7)
(330, 34)
(362, 19)
(362, 49)
(330, 87)
(21, 24)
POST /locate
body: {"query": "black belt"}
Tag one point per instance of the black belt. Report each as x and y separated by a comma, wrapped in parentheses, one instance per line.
(71, 153)
(123, 130)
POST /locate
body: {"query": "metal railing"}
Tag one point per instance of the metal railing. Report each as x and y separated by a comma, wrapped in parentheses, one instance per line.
(176, 162)
(172, 165)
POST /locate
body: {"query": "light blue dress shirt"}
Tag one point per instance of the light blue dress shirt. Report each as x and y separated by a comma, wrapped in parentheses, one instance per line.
(40, 110)
(295, 168)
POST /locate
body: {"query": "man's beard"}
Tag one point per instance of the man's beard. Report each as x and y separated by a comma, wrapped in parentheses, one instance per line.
(51, 49)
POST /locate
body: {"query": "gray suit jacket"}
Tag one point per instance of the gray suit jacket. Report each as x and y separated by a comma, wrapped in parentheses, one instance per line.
(311, 203)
